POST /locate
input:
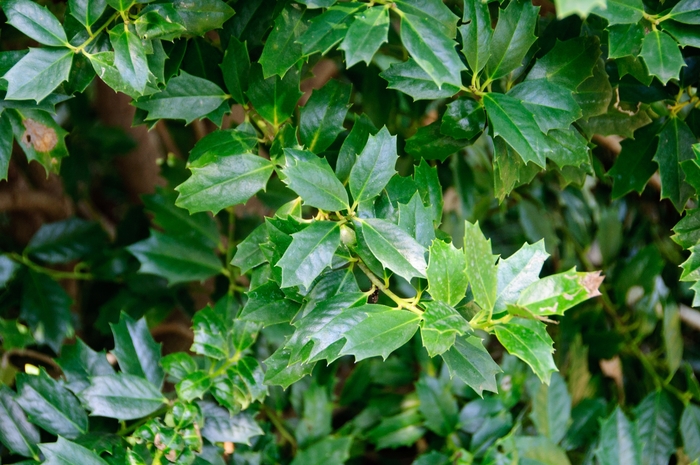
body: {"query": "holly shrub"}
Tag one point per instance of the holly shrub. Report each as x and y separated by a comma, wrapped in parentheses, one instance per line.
(471, 239)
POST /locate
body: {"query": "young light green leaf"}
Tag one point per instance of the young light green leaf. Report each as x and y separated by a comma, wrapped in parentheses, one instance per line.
(581, 7)
(365, 35)
(675, 146)
(193, 386)
(480, 266)
(16, 433)
(225, 182)
(186, 97)
(328, 29)
(51, 406)
(281, 49)
(661, 56)
(619, 442)
(321, 119)
(87, 12)
(202, 16)
(138, 354)
(236, 69)
(690, 431)
(394, 248)
(517, 272)
(380, 334)
(657, 426)
(552, 105)
(438, 405)
(38, 73)
(621, 11)
(551, 409)
(446, 273)
(409, 78)
(64, 452)
(45, 307)
(555, 294)
(528, 340)
(374, 166)
(35, 21)
(309, 254)
(470, 361)
(568, 64)
(274, 98)
(512, 38)
(175, 260)
(316, 184)
(463, 119)
(476, 34)
(122, 396)
(129, 57)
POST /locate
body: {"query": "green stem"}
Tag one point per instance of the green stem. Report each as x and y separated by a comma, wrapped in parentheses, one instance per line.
(401, 302)
(93, 36)
(55, 274)
(277, 423)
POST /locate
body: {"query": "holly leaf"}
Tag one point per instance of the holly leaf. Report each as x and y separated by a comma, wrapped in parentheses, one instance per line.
(45, 307)
(464, 118)
(138, 354)
(476, 34)
(64, 452)
(417, 220)
(687, 230)
(394, 248)
(193, 386)
(434, 11)
(568, 64)
(130, 57)
(441, 324)
(282, 51)
(268, 305)
(328, 29)
(557, 293)
(517, 272)
(316, 183)
(528, 340)
(321, 119)
(512, 38)
(366, 34)
(446, 273)
(470, 361)
(311, 251)
(409, 78)
(122, 396)
(326, 451)
(686, 11)
(374, 166)
(619, 442)
(438, 405)
(552, 105)
(221, 143)
(634, 165)
(35, 21)
(87, 12)
(159, 21)
(79, 363)
(625, 40)
(430, 144)
(38, 73)
(16, 433)
(581, 7)
(236, 69)
(621, 11)
(221, 426)
(202, 16)
(674, 146)
(661, 56)
(274, 98)
(429, 188)
(353, 145)
(380, 334)
(594, 94)
(480, 266)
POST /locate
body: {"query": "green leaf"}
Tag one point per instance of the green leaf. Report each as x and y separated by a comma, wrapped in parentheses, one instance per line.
(220, 426)
(403, 429)
(328, 29)
(540, 450)
(366, 34)
(568, 64)
(186, 97)
(316, 184)
(35, 21)
(45, 307)
(38, 73)
(236, 69)
(193, 386)
(66, 240)
(16, 433)
(138, 354)
(528, 340)
(430, 144)
(470, 361)
(374, 166)
(225, 182)
(380, 334)
(179, 364)
(268, 305)
(441, 324)
(210, 334)
(130, 57)
(434, 12)
(517, 126)
(594, 94)
(446, 273)
(657, 426)
(394, 248)
(51, 406)
(686, 11)
(438, 405)
(122, 396)
(517, 272)
(274, 98)
(552, 105)
(40, 137)
(159, 21)
(79, 363)
(64, 452)
(87, 12)
(685, 34)
(557, 293)
(281, 50)
(634, 166)
(675, 146)
(14, 335)
(551, 409)
(619, 442)
(327, 451)
(222, 143)
(321, 119)
(6, 144)
(409, 78)
(687, 230)
(691, 168)
(673, 339)
(280, 372)
(248, 254)
(174, 259)
(625, 40)
(463, 119)
(512, 38)
(581, 7)
(429, 188)
(476, 34)
(480, 266)
(621, 11)
(431, 49)
(121, 5)
(353, 145)
(311, 252)
(417, 220)
(202, 16)
(690, 431)
(661, 56)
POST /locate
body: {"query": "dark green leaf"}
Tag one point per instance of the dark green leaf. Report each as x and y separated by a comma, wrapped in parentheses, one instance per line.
(236, 69)
(409, 78)
(569, 63)
(688, 229)
(430, 144)
(657, 426)
(512, 38)
(661, 56)
(399, 430)
(621, 11)
(45, 308)
(353, 145)
(438, 405)
(309, 254)
(6, 143)
(674, 146)
(202, 16)
(441, 324)
(274, 98)
(463, 119)
(321, 119)
(129, 57)
(634, 165)
(417, 220)
(374, 166)
(179, 364)
(594, 94)
(138, 354)
(394, 248)
(528, 340)
(429, 188)
(122, 396)
(220, 426)
(480, 266)
(159, 21)
(552, 105)
(471, 362)
(690, 431)
(433, 11)
(174, 259)
(686, 11)
(268, 305)
(685, 34)
(40, 137)
(87, 12)
(193, 386)
(476, 34)
(66, 240)
(619, 442)
(380, 334)
(281, 50)
(79, 362)
(327, 451)
(316, 184)
(16, 433)
(248, 254)
(64, 452)
(221, 143)
(35, 21)
(551, 409)
(280, 372)
(328, 29)
(14, 335)
(38, 73)
(625, 40)
(446, 273)
(365, 35)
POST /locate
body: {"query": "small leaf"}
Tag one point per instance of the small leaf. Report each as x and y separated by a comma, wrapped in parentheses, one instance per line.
(409, 78)
(236, 69)
(35, 21)
(480, 266)
(365, 35)
(512, 38)
(528, 340)
(179, 364)
(446, 273)
(430, 190)
(353, 145)
(202, 16)
(220, 426)
(38, 73)
(281, 50)
(138, 354)
(394, 248)
(517, 272)
(634, 166)
(619, 442)
(625, 40)
(16, 433)
(551, 409)
(675, 142)
(661, 55)
(274, 98)
(129, 57)
(380, 334)
(321, 119)
(309, 254)
(268, 305)
(122, 396)
(223, 183)
(374, 166)
(463, 119)
(438, 405)
(470, 361)
(441, 324)
(687, 230)
(64, 452)
(45, 307)
(174, 259)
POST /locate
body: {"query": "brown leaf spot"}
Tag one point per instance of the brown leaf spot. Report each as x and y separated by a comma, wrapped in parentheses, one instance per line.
(592, 282)
(39, 136)
(158, 442)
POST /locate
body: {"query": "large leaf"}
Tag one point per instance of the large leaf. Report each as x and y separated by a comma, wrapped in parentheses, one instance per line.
(236, 69)
(66, 240)
(528, 340)
(64, 452)
(225, 182)
(476, 34)
(551, 409)
(311, 251)
(686, 11)
(394, 248)
(365, 35)
(517, 272)
(122, 396)
(174, 259)
(675, 142)
(512, 38)
(274, 98)
(45, 307)
(411, 79)
(136, 351)
(470, 361)
(321, 119)
(222, 143)
(438, 405)
(380, 334)
(374, 166)
(281, 50)
(661, 56)
(268, 305)
(35, 21)
(552, 105)
(433, 11)
(619, 442)
(657, 426)
(446, 273)
(480, 266)
(557, 293)
(568, 64)
(316, 183)
(463, 119)
(16, 433)
(38, 73)
(159, 21)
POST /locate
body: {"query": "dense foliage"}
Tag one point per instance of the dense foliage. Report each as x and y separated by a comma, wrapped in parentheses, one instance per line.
(324, 229)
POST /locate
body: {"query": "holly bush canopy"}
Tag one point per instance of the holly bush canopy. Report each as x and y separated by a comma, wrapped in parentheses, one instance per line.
(407, 231)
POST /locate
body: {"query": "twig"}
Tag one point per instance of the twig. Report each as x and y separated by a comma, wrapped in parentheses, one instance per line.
(43, 358)
(690, 316)
(50, 205)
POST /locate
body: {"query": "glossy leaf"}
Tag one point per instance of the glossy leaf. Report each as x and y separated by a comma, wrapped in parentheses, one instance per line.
(64, 241)
(674, 146)
(517, 272)
(365, 35)
(129, 57)
(87, 12)
(316, 184)
(433, 11)
(274, 98)
(417, 220)
(686, 11)
(557, 293)
(463, 119)
(513, 36)
(201, 16)
(625, 40)
(138, 354)
(409, 78)
(374, 166)
(79, 362)
(476, 34)
(634, 165)
(309, 254)
(661, 56)
(35, 21)
(552, 105)
(619, 442)
(220, 426)
(690, 431)
(440, 326)
(480, 266)
(236, 69)
(122, 396)
(281, 50)
(380, 334)
(193, 386)
(446, 273)
(329, 28)
(528, 340)
(657, 426)
(568, 64)
(470, 361)
(267, 305)
(430, 144)
(394, 248)
(64, 452)
(45, 307)
(16, 433)
(621, 11)
(321, 119)
(159, 21)
(38, 73)
(352, 146)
